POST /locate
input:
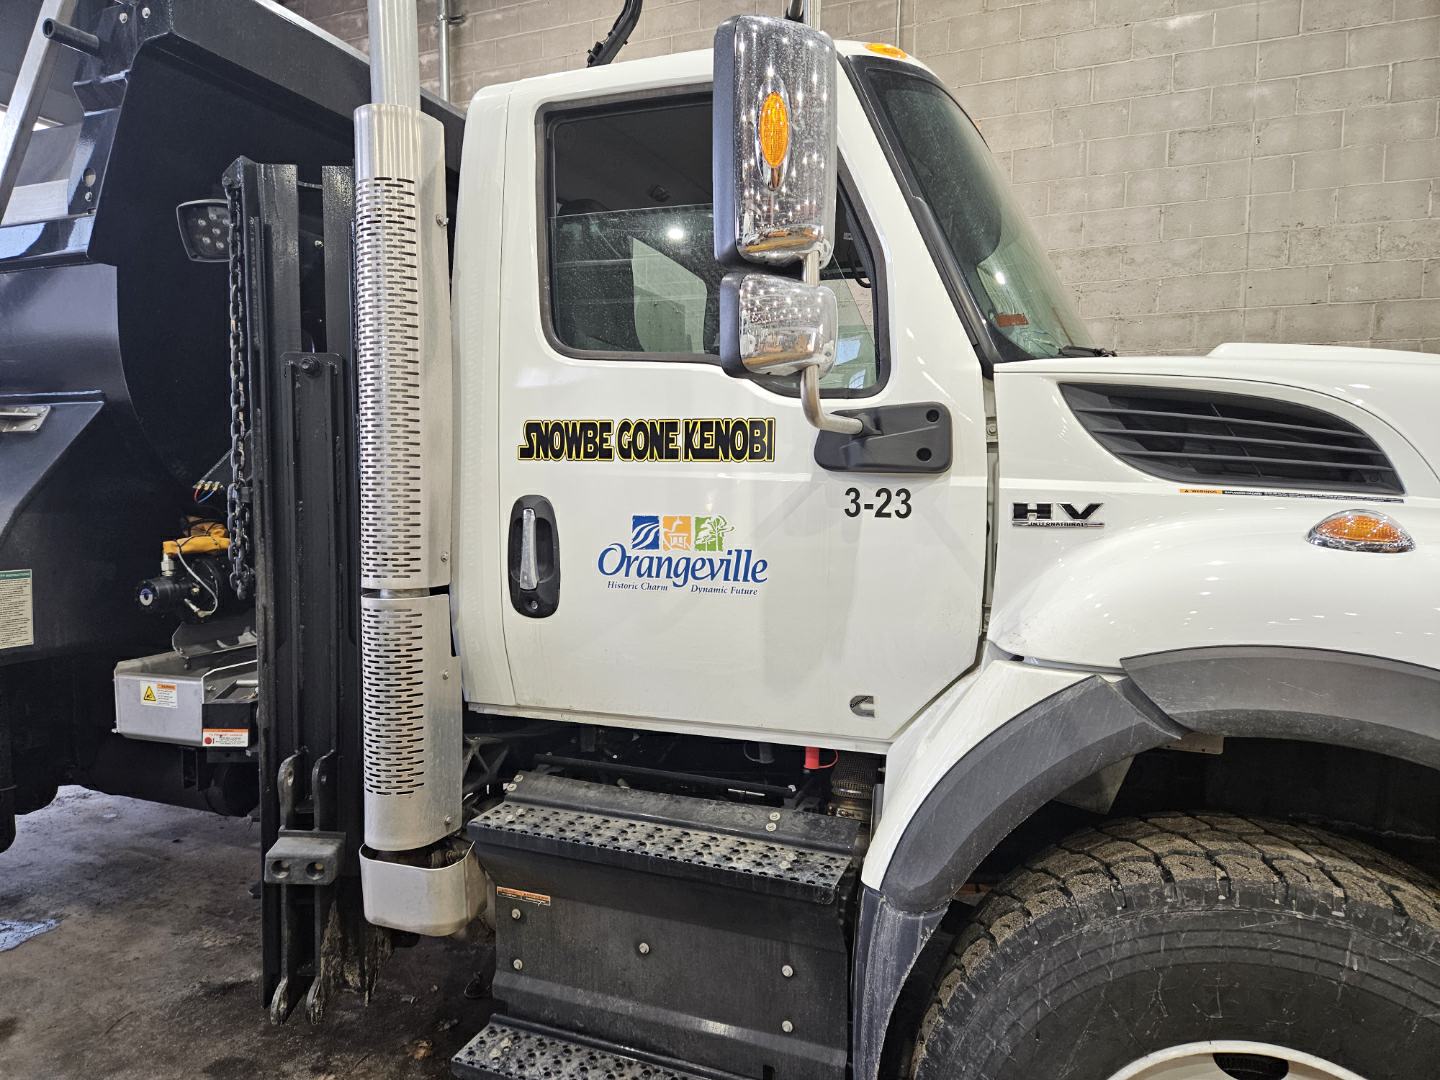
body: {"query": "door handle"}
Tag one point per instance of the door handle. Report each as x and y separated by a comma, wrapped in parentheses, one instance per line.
(529, 570)
(534, 558)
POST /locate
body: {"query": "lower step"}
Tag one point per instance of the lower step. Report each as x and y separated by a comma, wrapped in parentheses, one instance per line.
(689, 933)
(504, 1051)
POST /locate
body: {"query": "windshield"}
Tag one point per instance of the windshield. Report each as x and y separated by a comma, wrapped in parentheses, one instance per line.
(1025, 307)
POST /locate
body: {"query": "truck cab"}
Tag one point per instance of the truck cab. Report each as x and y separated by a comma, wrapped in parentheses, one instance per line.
(1035, 564)
(694, 518)
(693, 526)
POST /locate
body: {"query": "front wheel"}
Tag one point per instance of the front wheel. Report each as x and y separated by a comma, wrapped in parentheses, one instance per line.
(1194, 948)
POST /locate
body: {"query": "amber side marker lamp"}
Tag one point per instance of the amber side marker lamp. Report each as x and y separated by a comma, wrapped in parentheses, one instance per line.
(774, 130)
(879, 48)
(1361, 530)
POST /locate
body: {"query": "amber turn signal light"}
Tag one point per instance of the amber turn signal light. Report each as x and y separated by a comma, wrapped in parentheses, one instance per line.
(879, 48)
(774, 130)
(1361, 530)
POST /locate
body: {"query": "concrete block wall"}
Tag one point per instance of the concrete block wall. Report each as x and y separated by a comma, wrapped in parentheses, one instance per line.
(1201, 170)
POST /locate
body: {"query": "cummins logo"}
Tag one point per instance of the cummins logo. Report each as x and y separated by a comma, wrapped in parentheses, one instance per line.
(1044, 516)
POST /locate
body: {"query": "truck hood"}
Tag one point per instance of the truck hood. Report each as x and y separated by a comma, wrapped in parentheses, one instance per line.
(1400, 388)
(1160, 563)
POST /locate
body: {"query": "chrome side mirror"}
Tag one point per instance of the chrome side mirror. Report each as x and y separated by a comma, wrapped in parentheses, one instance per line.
(774, 142)
(770, 325)
(774, 153)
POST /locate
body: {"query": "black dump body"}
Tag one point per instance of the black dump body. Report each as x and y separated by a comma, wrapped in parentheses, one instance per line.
(104, 319)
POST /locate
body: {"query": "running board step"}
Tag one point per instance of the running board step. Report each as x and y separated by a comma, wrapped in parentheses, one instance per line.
(703, 938)
(755, 848)
(506, 1051)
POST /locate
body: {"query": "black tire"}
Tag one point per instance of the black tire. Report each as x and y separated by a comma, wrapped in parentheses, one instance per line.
(1152, 933)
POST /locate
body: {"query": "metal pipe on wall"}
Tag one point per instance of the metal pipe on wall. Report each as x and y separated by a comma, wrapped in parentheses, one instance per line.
(395, 53)
(444, 20)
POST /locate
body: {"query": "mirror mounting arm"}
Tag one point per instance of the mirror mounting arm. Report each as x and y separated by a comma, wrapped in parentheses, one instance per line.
(803, 11)
(810, 378)
(818, 417)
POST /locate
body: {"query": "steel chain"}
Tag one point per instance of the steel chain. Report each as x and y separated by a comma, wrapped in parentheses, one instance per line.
(237, 495)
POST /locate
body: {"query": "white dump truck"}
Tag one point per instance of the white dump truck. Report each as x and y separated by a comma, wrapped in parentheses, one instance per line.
(810, 654)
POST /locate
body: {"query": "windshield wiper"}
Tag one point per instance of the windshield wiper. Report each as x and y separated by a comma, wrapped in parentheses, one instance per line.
(1084, 350)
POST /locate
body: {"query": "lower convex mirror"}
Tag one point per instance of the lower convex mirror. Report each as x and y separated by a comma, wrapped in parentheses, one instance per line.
(776, 325)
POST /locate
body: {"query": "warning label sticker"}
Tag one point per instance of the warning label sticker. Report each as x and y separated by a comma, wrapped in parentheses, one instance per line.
(161, 695)
(236, 738)
(17, 609)
(525, 896)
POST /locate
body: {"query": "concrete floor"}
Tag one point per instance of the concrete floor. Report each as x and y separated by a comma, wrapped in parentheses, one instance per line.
(153, 970)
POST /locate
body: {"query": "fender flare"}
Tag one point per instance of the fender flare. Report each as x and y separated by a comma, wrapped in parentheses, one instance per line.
(1318, 695)
(1349, 699)
(1008, 775)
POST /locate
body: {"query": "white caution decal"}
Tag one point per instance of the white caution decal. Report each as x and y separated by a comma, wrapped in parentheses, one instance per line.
(229, 738)
(160, 695)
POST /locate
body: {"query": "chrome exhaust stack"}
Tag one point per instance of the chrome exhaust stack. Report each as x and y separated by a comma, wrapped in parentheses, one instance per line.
(417, 873)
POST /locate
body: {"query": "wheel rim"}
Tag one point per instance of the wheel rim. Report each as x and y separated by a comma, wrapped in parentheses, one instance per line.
(1231, 1060)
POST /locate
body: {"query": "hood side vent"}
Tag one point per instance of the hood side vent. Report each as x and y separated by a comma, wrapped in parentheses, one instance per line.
(1196, 436)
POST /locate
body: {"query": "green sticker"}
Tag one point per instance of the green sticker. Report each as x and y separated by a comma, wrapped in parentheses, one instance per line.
(17, 609)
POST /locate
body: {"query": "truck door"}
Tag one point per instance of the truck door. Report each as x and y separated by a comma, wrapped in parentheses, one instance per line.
(672, 553)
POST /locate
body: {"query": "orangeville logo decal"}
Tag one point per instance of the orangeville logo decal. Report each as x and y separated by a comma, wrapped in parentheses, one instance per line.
(682, 551)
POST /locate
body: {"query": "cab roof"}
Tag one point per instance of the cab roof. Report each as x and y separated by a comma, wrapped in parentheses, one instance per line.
(691, 68)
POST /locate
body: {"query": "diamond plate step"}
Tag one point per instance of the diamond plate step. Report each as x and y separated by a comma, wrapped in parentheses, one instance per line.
(730, 856)
(504, 1052)
(643, 831)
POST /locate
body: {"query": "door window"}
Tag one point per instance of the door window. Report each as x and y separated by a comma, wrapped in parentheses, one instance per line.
(632, 269)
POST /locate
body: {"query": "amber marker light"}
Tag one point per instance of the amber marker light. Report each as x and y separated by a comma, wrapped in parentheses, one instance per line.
(1361, 530)
(879, 48)
(774, 130)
